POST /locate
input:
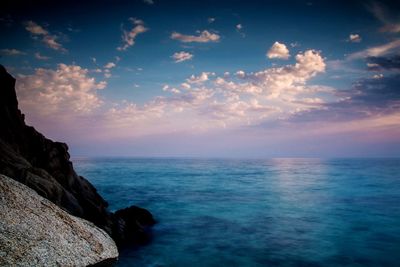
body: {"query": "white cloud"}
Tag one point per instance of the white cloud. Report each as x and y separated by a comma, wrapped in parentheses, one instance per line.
(186, 86)
(378, 76)
(128, 37)
(377, 51)
(66, 91)
(203, 37)
(239, 28)
(41, 57)
(181, 56)
(48, 39)
(109, 65)
(211, 20)
(241, 74)
(12, 52)
(278, 50)
(149, 2)
(354, 38)
(203, 77)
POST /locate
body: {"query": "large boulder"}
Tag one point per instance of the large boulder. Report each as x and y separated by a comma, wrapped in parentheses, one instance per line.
(36, 232)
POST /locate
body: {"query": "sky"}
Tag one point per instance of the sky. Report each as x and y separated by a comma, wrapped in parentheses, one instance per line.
(243, 79)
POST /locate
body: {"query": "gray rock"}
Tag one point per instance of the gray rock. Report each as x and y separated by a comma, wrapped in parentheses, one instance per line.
(36, 232)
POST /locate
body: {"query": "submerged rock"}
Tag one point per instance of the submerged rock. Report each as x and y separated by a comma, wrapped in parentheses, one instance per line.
(133, 224)
(44, 165)
(36, 232)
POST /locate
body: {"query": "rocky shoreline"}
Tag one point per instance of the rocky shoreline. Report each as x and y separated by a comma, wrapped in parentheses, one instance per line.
(44, 166)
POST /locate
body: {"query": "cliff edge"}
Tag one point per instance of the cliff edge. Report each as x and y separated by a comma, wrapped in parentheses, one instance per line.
(44, 165)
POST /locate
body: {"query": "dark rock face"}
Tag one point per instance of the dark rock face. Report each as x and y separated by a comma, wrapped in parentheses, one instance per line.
(43, 165)
(133, 225)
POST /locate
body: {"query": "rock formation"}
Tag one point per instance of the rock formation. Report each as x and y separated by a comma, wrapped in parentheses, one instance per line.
(43, 165)
(36, 232)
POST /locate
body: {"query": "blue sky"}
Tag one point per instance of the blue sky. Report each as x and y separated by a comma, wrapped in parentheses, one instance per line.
(208, 78)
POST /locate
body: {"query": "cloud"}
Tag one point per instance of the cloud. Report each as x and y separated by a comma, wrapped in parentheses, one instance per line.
(35, 29)
(377, 51)
(51, 41)
(381, 12)
(12, 52)
(149, 2)
(239, 28)
(48, 39)
(383, 63)
(41, 57)
(182, 56)
(110, 65)
(207, 101)
(128, 37)
(210, 20)
(204, 37)
(366, 98)
(203, 77)
(278, 50)
(66, 91)
(354, 38)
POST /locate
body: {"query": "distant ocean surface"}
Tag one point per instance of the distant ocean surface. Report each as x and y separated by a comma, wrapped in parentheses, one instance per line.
(274, 212)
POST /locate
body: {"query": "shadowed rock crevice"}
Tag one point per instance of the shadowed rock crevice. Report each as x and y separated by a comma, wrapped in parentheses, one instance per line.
(44, 165)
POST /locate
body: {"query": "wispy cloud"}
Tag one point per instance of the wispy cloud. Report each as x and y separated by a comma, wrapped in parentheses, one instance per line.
(48, 39)
(376, 51)
(35, 29)
(12, 52)
(203, 37)
(181, 56)
(128, 37)
(391, 22)
(239, 29)
(41, 57)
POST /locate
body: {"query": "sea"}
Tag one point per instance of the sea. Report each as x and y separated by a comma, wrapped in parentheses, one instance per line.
(257, 212)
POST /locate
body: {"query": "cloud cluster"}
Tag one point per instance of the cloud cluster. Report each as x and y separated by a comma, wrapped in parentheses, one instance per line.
(48, 39)
(66, 91)
(278, 50)
(128, 37)
(208, 100)
(203, 37)
(181, 56)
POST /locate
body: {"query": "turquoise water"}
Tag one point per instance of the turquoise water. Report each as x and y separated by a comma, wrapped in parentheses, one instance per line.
(275, 212)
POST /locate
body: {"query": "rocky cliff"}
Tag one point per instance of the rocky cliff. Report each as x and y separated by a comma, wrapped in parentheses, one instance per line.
(43, 165)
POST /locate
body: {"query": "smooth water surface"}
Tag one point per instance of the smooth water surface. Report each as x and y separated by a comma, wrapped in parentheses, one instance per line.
(275, 212)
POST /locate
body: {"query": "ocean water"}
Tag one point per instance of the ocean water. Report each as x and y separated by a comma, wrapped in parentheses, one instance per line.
(273, 212)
